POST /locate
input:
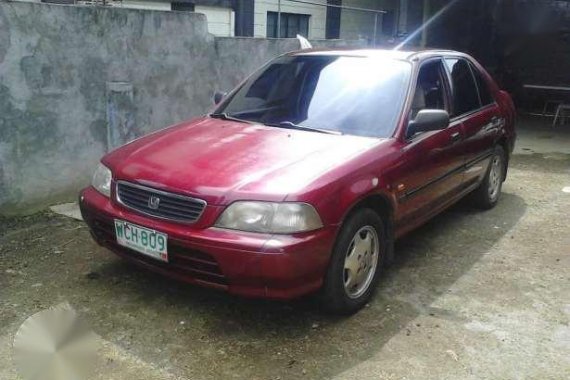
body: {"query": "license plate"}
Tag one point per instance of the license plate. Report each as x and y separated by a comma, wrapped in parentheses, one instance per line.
(144, 240)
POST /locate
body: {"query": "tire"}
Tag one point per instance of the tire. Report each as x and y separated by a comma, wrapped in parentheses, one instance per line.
(356, 263)
(487, 195)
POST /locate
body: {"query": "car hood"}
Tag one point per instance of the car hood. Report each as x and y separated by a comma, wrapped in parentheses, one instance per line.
(220, 161)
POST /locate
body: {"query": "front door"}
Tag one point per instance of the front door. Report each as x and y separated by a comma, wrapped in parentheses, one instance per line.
(433, 160)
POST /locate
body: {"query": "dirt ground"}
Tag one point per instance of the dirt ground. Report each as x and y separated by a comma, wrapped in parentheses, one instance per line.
(472, 295)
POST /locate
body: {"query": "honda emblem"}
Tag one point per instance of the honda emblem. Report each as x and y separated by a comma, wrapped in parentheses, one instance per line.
(153, 202)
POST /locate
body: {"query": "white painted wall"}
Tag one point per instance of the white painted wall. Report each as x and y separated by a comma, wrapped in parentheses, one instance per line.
(221, 21)
(317, 21)
(142, 4)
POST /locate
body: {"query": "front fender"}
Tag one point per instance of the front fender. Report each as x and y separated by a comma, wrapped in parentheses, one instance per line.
(367, 191)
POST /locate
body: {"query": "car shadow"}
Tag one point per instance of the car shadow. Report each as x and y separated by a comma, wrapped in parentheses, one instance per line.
(271, 339)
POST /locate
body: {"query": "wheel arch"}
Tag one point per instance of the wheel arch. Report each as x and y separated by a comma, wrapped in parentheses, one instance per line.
(384, 207)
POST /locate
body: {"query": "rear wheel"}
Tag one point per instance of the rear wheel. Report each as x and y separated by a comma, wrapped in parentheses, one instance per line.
(356, 263)
(487, 195)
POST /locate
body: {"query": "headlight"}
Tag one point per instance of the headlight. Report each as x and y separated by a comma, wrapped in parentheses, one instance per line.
(267, 217)
(102, 180)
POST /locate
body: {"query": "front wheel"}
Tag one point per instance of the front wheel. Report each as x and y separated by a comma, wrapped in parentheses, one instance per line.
(356, 263)
(487, 195)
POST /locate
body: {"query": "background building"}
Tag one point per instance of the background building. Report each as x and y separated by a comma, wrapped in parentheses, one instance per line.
(372, 20)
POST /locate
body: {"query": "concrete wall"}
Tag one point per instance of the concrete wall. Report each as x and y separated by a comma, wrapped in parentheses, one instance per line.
(78, 81)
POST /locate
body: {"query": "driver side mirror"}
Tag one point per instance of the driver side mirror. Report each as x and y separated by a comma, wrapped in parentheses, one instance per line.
(428, 120)
(218, 97)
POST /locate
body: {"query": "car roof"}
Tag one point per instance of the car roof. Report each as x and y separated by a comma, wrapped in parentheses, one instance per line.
(406, 55)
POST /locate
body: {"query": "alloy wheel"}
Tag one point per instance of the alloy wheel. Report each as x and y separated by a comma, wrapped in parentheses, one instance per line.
(495, 177)
(361, 261)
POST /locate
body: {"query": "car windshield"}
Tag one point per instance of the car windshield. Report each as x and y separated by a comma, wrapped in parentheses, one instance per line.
(341, 94)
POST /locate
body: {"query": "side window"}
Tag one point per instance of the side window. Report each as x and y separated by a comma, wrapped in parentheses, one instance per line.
(430, 88)
(484, 92)
(465, 96)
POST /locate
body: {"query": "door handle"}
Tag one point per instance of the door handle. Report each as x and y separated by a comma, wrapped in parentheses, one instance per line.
(455, 137)
(495, 122)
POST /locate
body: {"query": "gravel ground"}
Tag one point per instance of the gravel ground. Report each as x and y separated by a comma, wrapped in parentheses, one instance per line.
(472, 295)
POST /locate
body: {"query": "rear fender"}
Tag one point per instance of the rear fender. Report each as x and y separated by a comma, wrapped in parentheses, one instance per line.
(508, 109)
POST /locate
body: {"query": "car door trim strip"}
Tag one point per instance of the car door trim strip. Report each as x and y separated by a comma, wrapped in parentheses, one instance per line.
(413, 192)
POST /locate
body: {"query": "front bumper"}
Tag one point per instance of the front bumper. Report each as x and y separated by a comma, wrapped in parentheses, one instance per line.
(247, 264)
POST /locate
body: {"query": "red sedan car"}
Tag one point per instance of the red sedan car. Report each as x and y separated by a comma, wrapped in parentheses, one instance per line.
(304, 175)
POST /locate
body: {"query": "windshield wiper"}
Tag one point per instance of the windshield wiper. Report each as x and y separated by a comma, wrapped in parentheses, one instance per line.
(291, 125)
(225, 116)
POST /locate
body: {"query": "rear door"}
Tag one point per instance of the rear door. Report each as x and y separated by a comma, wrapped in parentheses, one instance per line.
(474, 107)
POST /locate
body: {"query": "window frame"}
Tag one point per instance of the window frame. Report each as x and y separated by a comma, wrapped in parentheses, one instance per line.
(179, 6)
(285, 17)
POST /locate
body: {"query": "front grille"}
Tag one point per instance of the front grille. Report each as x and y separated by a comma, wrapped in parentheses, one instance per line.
(159, 203)
(182, 260)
